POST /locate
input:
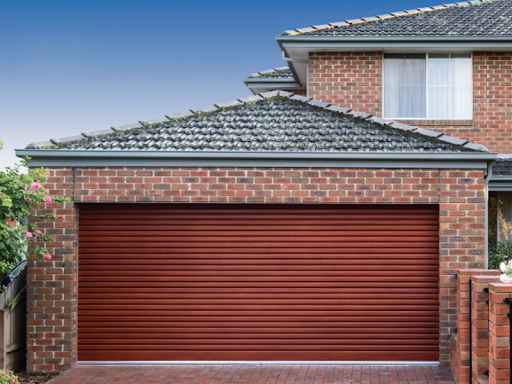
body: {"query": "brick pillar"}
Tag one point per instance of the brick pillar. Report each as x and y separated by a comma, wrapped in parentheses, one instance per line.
(480, 325)
(460, 362)
(499, 333)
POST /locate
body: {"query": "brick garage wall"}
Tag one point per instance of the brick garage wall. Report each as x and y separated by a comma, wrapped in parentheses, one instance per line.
(354, 80)
(52, 291)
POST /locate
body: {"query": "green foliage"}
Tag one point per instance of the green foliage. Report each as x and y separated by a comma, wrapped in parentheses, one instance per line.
(498, 253)
(21, 198)
(1, 144)
(7, 377)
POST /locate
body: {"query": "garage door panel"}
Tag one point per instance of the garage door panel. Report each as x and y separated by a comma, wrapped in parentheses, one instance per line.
(253, 282)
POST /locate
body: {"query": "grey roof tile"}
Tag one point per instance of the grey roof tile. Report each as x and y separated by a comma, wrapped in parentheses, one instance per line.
(370, 18)
(403, 127)
(269, 124)
(359, 114)
(502, 167)
(304, 30)
(250, 99)
(473, 18)
(269, 94)
(301, 98)
(67, 139)
(428, 132)
(338, 109)
(153, 121)
(354, 21)
(339, 24)
(380, 120)
(274, 73)
(210, 108)
(452, 140)
(182, 114)
(97, 133)
(127, 126)
(228, 104)
(39, 144)
(317, 103)
(476, 147)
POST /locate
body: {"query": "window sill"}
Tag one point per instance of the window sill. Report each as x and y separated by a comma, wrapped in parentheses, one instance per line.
(438, 123)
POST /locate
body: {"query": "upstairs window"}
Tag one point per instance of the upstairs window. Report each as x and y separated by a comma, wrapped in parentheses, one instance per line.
(428, 86)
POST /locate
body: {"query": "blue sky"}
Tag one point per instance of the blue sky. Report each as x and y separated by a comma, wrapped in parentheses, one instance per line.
(69, 66)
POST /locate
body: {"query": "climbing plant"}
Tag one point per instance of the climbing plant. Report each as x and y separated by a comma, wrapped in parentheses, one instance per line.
(23, 198)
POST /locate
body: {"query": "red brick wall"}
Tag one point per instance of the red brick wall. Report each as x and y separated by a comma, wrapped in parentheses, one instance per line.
(354, 80)
(474, 295)
(52, 300)
(348, 79)
(499, 333)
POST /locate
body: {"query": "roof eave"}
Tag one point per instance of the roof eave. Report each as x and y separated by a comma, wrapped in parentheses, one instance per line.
(389, 42)
(86, 158)
(258, 85)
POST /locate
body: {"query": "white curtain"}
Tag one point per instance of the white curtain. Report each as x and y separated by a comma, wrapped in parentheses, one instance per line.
(405, 86)
(450, 94)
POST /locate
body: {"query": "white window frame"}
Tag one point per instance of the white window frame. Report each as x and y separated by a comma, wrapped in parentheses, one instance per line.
(427, 88)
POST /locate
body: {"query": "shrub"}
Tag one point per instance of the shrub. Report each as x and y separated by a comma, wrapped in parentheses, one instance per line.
(7, 377)
(21, 198)
(498, 253)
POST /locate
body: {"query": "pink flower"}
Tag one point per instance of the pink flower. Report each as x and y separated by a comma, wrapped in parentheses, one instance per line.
(47, 256)
(38, 232)
(28, 234)
(28, 198)
(26, 186)
(60, 216)
(35, 186)
(48, 200)
(47, 192)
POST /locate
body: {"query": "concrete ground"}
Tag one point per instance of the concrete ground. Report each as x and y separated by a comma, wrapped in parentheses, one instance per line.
(269, 374)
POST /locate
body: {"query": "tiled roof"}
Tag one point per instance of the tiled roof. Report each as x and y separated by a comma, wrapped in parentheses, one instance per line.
(467, 18)
(273, 121)
(502, 167)
(274, 73)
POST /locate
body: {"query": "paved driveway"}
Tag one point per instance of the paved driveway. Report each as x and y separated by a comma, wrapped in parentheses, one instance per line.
(270, 374)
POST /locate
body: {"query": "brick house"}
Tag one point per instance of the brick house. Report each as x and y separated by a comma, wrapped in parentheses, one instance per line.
(322, 219)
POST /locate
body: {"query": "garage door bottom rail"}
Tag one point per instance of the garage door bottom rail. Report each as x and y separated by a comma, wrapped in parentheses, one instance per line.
(195, 362)
(265, 356)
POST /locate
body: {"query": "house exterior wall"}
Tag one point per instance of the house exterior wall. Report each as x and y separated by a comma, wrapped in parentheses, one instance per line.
(354, 80)
(52, 284)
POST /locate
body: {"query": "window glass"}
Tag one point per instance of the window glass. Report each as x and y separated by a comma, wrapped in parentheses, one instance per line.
(433, 86)
(493, 218)
(505, 216)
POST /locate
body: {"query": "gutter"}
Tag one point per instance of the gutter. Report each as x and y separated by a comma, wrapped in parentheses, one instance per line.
(87, 158)
(381, 39)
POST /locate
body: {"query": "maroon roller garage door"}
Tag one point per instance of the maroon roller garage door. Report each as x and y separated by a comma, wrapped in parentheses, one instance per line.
(258, 282)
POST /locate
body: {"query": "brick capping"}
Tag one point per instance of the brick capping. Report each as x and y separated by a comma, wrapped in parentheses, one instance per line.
(52, 284)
